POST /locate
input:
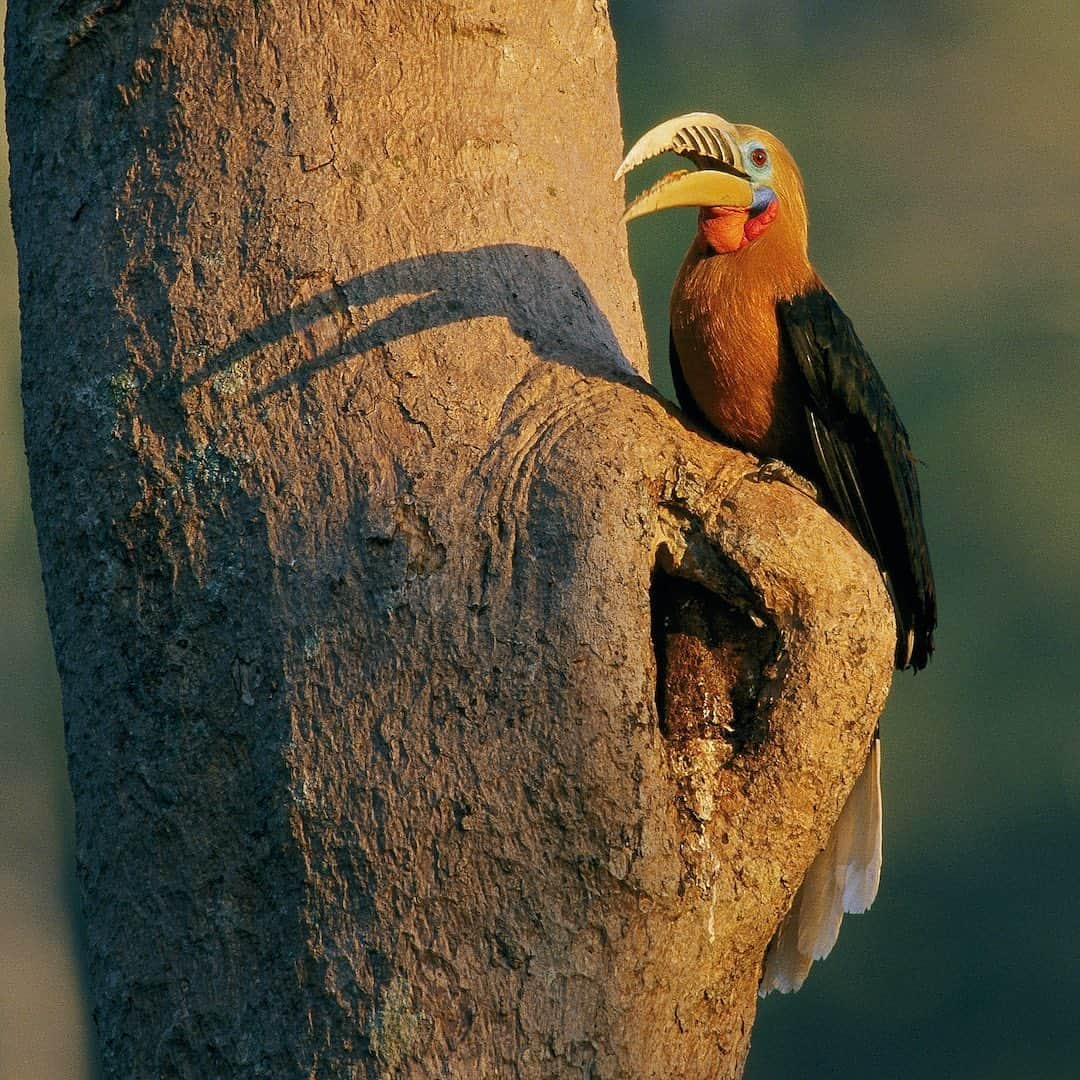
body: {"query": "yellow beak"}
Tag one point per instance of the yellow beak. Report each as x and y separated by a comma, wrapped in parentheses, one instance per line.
(707, 140)
(683, 188)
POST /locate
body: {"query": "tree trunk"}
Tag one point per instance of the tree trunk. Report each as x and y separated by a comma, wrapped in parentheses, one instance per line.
(358, 524)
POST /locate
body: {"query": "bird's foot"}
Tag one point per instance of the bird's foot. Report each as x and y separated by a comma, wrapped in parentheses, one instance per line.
(772, 470)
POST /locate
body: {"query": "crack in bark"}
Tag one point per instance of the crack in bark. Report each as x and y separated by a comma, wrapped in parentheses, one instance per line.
(86, 22)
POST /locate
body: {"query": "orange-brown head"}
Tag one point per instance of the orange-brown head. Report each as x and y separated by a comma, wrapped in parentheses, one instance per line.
(747, 186)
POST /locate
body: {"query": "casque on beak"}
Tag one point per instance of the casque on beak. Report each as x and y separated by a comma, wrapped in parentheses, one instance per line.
(709, 142)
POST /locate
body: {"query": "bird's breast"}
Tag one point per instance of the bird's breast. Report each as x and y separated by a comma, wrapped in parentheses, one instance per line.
(732, 371)
(728, 345)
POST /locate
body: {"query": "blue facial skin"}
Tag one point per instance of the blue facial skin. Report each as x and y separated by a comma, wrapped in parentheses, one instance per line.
(762, 197)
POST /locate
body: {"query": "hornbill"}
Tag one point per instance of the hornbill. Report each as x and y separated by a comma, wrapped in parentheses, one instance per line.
(763, 358)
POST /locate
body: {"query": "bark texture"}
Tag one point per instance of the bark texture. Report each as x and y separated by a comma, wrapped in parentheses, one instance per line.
(358, 525)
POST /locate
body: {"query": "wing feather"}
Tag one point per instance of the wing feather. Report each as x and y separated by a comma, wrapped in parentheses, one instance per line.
(862, 449)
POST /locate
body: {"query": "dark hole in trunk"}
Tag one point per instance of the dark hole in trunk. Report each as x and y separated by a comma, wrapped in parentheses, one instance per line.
(712, 663)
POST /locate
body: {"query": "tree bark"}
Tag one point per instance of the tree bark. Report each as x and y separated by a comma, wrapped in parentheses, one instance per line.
(358, 525)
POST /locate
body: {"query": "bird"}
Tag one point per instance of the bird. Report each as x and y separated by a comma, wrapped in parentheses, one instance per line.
(764, 359)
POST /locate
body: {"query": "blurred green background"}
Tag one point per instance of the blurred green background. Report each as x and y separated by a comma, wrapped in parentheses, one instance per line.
(940, 145)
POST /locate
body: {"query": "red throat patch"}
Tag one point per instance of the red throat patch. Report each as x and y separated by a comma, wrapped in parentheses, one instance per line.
(757, 225)
(723, 227)
(728, 228)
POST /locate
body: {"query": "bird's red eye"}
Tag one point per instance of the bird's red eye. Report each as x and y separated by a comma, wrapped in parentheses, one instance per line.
(759, 157)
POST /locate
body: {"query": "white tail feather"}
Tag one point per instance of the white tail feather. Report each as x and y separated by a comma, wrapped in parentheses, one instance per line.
(864, 861)
(843, 878)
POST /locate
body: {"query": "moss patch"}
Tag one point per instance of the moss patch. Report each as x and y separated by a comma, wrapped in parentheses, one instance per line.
(393, 1028)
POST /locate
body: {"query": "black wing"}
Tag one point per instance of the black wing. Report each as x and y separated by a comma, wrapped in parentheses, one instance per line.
(862, 448)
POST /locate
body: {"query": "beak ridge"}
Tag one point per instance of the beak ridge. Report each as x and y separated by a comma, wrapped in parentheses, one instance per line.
(705, 138)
